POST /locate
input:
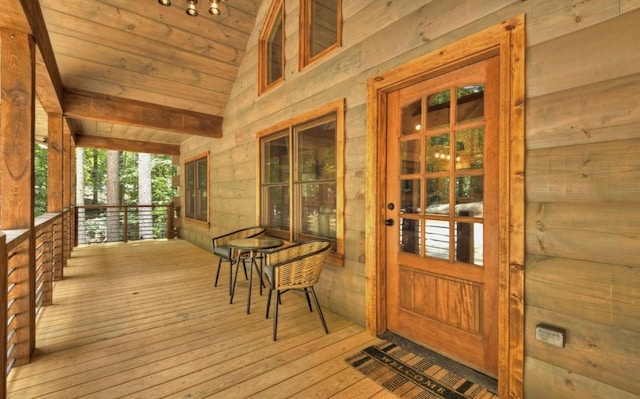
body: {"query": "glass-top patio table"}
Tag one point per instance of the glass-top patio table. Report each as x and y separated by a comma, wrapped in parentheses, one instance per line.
(253, 246)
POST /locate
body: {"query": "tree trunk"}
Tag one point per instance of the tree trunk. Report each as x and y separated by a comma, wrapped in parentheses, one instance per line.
(113, 197)
(145, 222)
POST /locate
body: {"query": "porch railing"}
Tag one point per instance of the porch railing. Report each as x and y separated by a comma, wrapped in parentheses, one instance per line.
(30, 260)
(122, 223)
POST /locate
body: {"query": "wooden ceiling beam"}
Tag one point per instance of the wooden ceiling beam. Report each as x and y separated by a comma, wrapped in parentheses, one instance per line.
(136, 113)
(26, 16)
(111, 143)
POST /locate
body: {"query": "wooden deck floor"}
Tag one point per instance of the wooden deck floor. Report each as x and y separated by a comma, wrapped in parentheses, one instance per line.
(143, 320)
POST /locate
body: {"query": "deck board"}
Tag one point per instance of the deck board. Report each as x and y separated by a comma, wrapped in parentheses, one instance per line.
(143, 320)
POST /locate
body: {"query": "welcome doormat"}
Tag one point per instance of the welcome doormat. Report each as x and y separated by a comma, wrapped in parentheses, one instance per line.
(411, 376)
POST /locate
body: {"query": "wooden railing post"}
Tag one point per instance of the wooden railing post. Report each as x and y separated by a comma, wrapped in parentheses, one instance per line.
(170, 211)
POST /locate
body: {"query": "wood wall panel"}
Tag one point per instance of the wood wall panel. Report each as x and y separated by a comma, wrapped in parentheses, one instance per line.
(629, 5)
(589, 54)
(550, 382)
(604, 111)
(597, 173)
(602, 293)
(603, 352)
(585, 231)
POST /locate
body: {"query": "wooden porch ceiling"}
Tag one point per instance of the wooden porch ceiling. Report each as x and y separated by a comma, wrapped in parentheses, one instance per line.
(144, 320)
(125, 73)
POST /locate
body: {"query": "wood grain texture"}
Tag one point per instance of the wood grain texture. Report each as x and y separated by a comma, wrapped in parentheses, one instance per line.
(590, 173)
(129, 112)
(595, 113)
(604, 293)
(589, 350)
(130, 339)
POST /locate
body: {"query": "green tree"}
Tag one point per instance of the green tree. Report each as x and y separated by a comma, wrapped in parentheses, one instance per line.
(41, 165)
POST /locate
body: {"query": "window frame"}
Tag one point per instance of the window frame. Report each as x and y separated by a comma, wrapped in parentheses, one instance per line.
(276, 12)
(306, 25)
(197, 214)
(288, 129)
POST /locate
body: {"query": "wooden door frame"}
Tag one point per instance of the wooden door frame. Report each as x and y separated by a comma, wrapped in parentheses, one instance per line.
(507, 40)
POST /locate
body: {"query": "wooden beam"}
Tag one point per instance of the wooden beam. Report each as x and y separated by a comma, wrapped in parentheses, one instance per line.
(26, 16)
(110, 143)
(130, 112)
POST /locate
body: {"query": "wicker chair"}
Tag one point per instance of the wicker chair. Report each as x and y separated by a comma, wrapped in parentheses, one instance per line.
(296, 267)
(227, 254)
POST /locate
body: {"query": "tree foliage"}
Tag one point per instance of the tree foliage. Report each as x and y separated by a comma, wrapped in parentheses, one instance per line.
(95, 178)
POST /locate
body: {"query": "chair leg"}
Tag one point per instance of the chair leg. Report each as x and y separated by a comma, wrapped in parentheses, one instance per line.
(233, 286)
(244, 267)
(268, 303)
(315, 299)
(275, 316)
(306, 292)
(218, 272)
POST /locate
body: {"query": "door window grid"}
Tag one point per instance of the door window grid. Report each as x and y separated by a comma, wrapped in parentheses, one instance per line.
(451, 174)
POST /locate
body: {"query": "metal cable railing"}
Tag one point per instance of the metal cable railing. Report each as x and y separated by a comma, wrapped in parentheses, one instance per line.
(122, 223)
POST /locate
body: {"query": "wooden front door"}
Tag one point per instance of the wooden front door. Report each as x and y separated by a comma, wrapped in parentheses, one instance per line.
(442, 214)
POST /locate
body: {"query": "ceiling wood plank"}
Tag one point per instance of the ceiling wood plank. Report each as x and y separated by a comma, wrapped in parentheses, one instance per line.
(113, 89)
(136, 113)
(129, 78)
(111, 143)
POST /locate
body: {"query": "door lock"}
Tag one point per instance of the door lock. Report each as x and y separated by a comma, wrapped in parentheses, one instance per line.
(388, 222)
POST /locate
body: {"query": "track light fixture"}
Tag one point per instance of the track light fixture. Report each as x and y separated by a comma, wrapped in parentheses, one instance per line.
(192, 7)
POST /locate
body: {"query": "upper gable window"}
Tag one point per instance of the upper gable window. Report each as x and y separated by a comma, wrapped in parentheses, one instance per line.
(320, 28)
(271, 49)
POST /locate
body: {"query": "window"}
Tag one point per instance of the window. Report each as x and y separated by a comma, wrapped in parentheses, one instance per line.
(271, 48)
(301, 182)
(197, 187)
(320, 28)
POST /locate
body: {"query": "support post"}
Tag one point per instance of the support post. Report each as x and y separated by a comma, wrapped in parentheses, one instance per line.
(17, 140)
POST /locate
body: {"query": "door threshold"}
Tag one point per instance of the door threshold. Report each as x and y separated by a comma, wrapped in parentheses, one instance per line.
(490, 383)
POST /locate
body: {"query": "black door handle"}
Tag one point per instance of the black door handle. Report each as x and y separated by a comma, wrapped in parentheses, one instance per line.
(388, 222)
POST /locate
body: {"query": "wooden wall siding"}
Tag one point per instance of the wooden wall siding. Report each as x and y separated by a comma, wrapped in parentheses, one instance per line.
(582, 190)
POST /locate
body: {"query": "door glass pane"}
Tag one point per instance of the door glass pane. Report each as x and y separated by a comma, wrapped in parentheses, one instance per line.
(410, 157)
(438, 109)
(412, 118)
(470, 148)
(410, 195)
(469, 195)
(470, 102)
(438, 196)
(438, 155)
(319, 209)
(276, 160)
(437, 239)
(468, 246)
(410, 235)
